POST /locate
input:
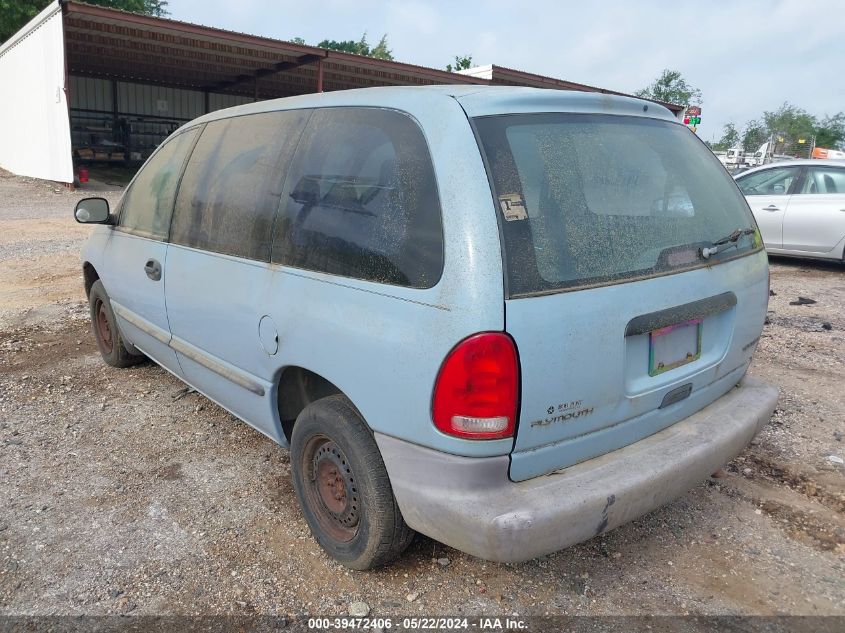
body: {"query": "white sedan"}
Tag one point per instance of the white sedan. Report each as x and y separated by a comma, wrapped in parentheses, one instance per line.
(799, 206)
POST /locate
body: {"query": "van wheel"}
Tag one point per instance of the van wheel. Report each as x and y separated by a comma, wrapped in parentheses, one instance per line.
(343, 487)
(113, 348)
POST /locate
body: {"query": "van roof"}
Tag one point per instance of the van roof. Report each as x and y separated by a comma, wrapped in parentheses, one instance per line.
(475, 100)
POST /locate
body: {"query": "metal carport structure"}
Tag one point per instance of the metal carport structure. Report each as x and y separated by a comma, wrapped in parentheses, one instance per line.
(92, 84)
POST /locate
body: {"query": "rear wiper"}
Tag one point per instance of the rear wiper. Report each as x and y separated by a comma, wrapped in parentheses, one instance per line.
(729, 240)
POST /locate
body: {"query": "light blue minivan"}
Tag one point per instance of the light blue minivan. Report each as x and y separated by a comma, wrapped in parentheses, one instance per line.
(507, 318)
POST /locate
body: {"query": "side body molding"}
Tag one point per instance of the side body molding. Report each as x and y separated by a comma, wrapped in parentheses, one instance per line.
(232, 374)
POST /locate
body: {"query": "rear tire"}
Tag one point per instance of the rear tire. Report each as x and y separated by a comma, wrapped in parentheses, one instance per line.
(343, 487)
(113, 348)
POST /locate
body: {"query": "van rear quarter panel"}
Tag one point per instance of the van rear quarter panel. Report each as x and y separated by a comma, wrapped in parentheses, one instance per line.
(383, 345)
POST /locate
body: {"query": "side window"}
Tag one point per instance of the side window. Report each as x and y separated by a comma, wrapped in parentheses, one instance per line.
(361, 200)
(824, 180)
(148, 204)
(230, 191)
(769, 182)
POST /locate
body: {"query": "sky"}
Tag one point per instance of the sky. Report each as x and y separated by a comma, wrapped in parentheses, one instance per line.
(746, 56)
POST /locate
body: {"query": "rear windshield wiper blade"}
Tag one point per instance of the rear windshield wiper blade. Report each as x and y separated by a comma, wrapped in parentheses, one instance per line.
(724, 242)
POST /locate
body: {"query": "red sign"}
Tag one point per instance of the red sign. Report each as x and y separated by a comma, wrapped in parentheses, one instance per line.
(694, 111)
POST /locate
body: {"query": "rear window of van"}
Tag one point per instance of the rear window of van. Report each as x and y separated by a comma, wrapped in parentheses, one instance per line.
(593, 199)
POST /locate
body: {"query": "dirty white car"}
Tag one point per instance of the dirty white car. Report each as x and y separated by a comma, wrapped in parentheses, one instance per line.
(799, 207)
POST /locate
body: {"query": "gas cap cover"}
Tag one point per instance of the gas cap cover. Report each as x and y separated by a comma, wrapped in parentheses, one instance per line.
(268, 335)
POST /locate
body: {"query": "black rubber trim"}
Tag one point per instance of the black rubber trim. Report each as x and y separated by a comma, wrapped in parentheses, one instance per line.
(670, 316)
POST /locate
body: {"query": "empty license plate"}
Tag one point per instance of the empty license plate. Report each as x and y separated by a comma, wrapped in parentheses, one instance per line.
(673, 346)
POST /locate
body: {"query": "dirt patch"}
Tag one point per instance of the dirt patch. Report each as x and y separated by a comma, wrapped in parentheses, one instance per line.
(825, 487)
(801, 524)
(123, 492)
(31, 348)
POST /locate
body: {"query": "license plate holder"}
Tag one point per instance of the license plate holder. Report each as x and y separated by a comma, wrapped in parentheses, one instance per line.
(673, 346)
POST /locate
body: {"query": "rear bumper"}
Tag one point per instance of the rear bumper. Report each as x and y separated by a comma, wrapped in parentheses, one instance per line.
(470, 504)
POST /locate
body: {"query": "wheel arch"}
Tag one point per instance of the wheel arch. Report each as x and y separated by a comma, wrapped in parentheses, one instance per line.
(297, 388)
(89, 276)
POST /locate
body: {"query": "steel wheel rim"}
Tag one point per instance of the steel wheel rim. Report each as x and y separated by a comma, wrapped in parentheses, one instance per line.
(331, 488)
(103, 327)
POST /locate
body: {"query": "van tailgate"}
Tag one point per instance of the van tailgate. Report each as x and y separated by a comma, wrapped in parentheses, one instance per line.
(591, 381)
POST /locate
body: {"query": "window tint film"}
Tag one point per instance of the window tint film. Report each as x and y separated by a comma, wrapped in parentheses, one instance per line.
(769, 182)
(230, 191)
(823, 180)
(591, 199)
(148, 203)
(361, 200)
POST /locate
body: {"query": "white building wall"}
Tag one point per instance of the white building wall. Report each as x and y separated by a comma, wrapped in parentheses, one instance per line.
(34, 124)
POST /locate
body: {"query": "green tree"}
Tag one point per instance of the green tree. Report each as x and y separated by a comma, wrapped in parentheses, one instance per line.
(754, 135)
(830, 131)
(671, 87)
(730, 138)
(346, 46)
(462, 62)
(787, 124)
(15, 13)
(380, 50)
(298, 40)
(361, 47)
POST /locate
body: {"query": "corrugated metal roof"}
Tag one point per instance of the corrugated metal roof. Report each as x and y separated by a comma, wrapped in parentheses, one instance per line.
(105, 42)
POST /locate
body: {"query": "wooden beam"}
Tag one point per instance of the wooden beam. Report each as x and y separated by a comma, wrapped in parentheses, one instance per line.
(281, 67)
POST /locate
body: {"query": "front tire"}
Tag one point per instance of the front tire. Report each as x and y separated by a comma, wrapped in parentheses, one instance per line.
(113, 348)
(343, 487)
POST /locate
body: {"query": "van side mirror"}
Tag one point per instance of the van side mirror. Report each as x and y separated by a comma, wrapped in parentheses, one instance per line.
(92, 211)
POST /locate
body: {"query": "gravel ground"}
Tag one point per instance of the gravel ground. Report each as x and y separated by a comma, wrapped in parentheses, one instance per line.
(121, 493)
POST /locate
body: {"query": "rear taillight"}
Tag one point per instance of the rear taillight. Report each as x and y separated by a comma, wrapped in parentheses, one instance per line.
(475, 396)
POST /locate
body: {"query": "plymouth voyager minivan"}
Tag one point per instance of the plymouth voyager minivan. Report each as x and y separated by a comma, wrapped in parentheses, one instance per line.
(507, 318)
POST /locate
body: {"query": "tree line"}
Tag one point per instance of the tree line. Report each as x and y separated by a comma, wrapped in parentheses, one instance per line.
(787, 127)
(15, 13)
(379, 51)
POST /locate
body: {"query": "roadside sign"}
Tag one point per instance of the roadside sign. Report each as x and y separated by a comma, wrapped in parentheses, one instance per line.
(692, 117)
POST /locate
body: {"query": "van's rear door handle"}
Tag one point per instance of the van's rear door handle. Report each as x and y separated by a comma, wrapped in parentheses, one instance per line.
(771, 207)
(153, 269)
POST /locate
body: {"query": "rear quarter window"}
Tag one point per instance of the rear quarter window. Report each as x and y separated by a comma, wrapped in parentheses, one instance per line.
(824, 180)
(361, 200)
